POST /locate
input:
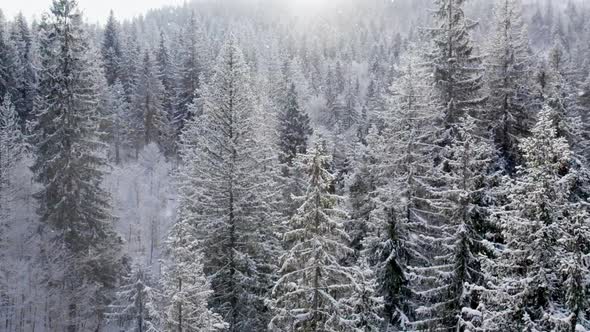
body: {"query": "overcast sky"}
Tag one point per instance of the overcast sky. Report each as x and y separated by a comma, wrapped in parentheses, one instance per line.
(94, 10)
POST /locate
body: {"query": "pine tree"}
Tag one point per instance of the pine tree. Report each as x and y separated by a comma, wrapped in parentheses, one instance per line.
(527, 292)
(368, 306)
(69, 166)
(440, 253)
(13, 149)
(189, 73)
(361, 191)
(509, 68)
(313, 288)
(9, 63)
(12, 141)
(223, 191)
(295, 74)
(131, 64)
(350, 114)
(332, 114)
(21, 38)
(153, 124)
(375, 105)
(576, 285)
(457, 71)
(121, 121)
(112, 53)
(294, 128)
(136, 303)
(464, 170)
(186, 288)
(403, 148)
(166, 74)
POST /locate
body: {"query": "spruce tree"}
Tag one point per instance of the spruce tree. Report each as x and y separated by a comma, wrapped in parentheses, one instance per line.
(12, 141)
(111, 50)
(509, 82)
(166, 74)
(13, 149)
(543, 234)
(131, 62)
(152, 121)
(464, 168)
(294, 128)
(402, 149)
(21, 38)
(223, 187)
(189, 72)
(187, 290)
(136, 305)
(69, 167)
(312, 291)
(457, 71)
(368, 305)
(121, 122)
(9, 63)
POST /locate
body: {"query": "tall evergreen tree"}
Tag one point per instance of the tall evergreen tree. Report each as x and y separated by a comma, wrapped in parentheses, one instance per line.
(152, 123)
(9, 63)
(457, 71)
(527, 292)
(111, 50)
(294, 128)
(189, 72)
(461, 202)
(12, 140)
(313, 288)
(402, 149)
(131, 64)
(509, 68)
(69, 166)
(136, 304)
(13, 148)
(186, 288)
(166, 74)
(224, 183)
(21, 38)
(121, 121)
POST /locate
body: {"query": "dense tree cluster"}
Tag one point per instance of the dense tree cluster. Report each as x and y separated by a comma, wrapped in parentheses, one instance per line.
(238, 165)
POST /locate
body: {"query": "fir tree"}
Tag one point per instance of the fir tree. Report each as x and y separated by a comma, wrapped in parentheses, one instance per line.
(12, 140)
(361, 191)
(527, 291)
(121, 121)
(223, 191)
(509, 67)
(69, 166)
(153, 124)
(186, 288)
(457, 71)
(9, 63)
(21, 38)
(402, 150)
(294, 128)
(136, 304)
(368, 306)
(166, 74)
(313, 288)
(189, 73)
(131, 63)
(464, 170)
(13, 149)
(112, 53)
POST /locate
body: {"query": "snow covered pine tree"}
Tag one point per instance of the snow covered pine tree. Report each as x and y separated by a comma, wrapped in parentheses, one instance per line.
(314, 290)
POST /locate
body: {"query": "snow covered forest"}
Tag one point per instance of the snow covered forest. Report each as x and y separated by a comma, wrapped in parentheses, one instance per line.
(291, 165)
